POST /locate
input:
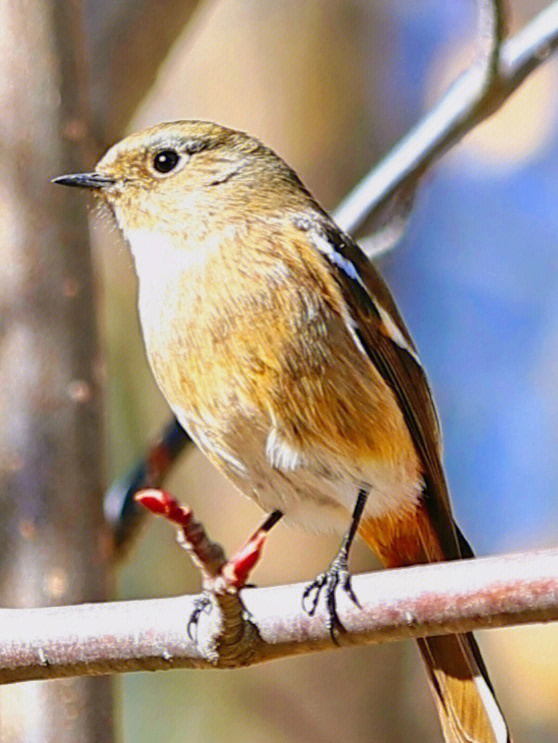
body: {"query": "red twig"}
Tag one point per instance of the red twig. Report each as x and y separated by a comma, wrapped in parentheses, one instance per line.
(219, 574)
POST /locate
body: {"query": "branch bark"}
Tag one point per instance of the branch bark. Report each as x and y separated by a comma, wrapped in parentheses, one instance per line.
(398, 604)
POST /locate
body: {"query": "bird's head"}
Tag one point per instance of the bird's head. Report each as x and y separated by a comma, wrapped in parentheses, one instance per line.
(187, 176)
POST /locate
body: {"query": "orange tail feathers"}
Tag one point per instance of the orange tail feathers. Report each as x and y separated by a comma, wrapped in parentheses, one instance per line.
(465, 700)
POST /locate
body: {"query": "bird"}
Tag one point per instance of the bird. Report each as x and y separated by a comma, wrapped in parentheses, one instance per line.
(282, 353)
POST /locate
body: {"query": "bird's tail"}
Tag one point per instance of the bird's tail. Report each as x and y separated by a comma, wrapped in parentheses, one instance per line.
(466, 704)
(465, 700)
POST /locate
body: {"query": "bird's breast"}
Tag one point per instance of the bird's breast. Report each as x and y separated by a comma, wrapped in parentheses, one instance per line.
(255, 358)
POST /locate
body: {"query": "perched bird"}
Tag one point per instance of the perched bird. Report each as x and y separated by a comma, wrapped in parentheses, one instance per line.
(280, 350)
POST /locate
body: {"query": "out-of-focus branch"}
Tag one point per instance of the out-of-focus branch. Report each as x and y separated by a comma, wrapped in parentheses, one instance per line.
(476, 95)
(396, 604)
(492, 28)
(129, 39)
(122, 512)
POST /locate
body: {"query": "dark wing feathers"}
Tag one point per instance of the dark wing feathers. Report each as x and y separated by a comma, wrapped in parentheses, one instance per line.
(392, 351)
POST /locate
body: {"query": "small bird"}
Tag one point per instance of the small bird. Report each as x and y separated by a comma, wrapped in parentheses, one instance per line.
(280, 350)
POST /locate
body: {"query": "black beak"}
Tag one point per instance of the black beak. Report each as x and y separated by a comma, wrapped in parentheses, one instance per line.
(84, 180)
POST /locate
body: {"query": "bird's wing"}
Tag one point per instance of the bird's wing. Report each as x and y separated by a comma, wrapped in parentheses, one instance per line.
(380, 333)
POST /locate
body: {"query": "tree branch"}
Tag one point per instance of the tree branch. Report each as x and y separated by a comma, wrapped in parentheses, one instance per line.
(396, 604)
(476, 95)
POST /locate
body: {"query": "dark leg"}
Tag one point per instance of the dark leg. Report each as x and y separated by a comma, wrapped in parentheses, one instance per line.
(338, 572)
(238, 567)
(270, 522)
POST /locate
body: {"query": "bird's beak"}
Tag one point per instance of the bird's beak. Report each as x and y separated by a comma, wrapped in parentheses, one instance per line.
(85, 180)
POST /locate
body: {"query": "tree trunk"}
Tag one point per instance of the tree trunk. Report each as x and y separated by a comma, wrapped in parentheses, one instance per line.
(53, 545)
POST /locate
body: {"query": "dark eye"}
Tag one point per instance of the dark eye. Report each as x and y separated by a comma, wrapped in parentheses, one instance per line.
(165, 161)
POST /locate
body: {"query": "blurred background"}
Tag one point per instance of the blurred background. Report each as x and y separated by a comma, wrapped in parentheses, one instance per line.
(331, 86)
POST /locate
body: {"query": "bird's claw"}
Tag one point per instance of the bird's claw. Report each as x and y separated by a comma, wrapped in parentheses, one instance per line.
(337, 574)
(202, 605)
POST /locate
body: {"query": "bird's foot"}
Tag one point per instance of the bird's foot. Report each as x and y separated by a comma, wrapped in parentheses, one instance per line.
(202, 605)
(337, 574)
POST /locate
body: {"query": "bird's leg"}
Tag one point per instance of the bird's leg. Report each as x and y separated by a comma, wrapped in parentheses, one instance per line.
(337, 573)
(238, 567)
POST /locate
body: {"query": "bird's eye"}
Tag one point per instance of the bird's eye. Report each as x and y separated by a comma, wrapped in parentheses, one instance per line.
(165, 161)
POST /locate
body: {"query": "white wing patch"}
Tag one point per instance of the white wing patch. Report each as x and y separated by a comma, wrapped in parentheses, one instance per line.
(352, 328)
(326, 248)
(393, 332)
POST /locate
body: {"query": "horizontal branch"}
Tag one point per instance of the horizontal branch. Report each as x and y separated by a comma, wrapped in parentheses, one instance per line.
(471, 99)
(413, 602)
